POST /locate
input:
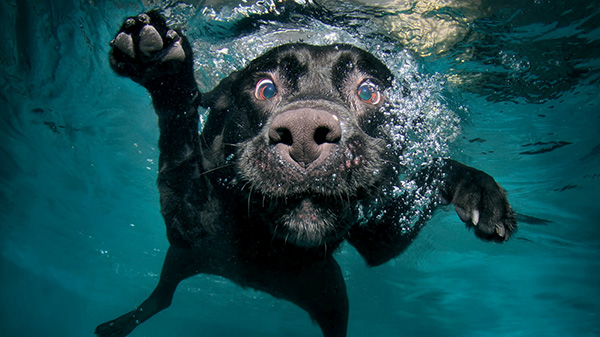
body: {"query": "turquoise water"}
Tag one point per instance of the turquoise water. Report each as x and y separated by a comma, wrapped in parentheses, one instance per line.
(82, 240)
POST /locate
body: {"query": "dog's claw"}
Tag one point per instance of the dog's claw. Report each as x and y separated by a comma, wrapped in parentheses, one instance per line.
(172, 36)
(500, 230)
(481, 203)
(144, 18)
(475, 217)
(129, 23)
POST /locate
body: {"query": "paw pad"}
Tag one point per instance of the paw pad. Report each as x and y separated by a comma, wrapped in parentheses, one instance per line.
(124, 42)
(145, 49)
(150, 40)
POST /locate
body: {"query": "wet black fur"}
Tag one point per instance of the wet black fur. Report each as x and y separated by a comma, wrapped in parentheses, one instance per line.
(233, 207)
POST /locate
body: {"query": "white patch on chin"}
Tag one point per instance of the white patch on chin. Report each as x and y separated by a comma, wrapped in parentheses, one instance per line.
(307, 225)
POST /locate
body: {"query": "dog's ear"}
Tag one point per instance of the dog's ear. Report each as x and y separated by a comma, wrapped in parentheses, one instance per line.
(230, 115)
(219, 100)
(222, 96)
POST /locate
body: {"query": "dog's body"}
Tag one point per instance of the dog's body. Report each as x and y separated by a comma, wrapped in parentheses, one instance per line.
(291, 162)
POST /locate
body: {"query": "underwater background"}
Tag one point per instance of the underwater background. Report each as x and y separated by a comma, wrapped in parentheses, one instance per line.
(82, 239)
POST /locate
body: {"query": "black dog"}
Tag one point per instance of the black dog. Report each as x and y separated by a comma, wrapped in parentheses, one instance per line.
(291, 162)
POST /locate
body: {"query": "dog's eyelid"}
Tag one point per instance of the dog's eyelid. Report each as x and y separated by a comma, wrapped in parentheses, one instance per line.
(373, 80)
(259, 75)
(275, 76)
(368, 91)
(265, 89)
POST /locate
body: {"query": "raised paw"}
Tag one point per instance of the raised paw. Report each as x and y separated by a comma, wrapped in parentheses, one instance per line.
(145, 49)
(481, 203)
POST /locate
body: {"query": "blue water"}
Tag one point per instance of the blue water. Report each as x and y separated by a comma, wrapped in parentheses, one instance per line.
(82, 240)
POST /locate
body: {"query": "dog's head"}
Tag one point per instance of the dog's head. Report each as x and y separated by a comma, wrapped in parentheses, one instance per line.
(304, 125)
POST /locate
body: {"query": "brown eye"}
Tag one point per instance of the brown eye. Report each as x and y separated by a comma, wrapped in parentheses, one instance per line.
(368, 92)
(265, 89)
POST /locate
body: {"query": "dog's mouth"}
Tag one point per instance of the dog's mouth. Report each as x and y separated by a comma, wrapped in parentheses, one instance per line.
(309, 205)
(307, 220)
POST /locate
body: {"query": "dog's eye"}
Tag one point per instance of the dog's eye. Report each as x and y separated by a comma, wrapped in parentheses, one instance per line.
(265, 89)
(368, 92)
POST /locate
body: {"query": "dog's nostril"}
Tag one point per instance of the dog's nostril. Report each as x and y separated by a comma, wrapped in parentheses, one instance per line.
(324, 134)
(284, 136)
(304, 135)
(280, 135)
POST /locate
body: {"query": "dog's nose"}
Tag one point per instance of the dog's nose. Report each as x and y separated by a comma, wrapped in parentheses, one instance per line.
(306, 135)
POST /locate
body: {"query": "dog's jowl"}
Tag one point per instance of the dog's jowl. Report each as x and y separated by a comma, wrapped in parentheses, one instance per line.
(292, 161)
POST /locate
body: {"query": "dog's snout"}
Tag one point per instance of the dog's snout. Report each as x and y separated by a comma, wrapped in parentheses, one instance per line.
(305, 135)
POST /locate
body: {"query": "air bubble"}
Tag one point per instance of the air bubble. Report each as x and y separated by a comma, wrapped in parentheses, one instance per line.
(421, 120)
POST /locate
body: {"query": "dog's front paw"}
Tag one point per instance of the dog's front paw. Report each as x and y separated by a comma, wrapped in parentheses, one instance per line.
(481, 203)
(145, 49)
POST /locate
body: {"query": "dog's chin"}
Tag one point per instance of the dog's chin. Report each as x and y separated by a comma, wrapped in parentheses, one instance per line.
(308, 223)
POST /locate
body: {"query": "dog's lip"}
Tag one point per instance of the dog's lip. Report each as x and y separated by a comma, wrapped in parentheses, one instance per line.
(298, 198)
(307, 206)
(307, 200)
(313, 167)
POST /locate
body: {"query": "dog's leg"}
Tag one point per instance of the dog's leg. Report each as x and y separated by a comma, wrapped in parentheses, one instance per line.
(387, 235)
(179, 264)
(478, 199)
(327, 304)
(161, 60)
(323, 295)
(318, 288)
(146, 50)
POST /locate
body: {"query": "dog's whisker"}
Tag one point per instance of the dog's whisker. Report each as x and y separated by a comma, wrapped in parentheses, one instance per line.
(216, 169)
(286, 140)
